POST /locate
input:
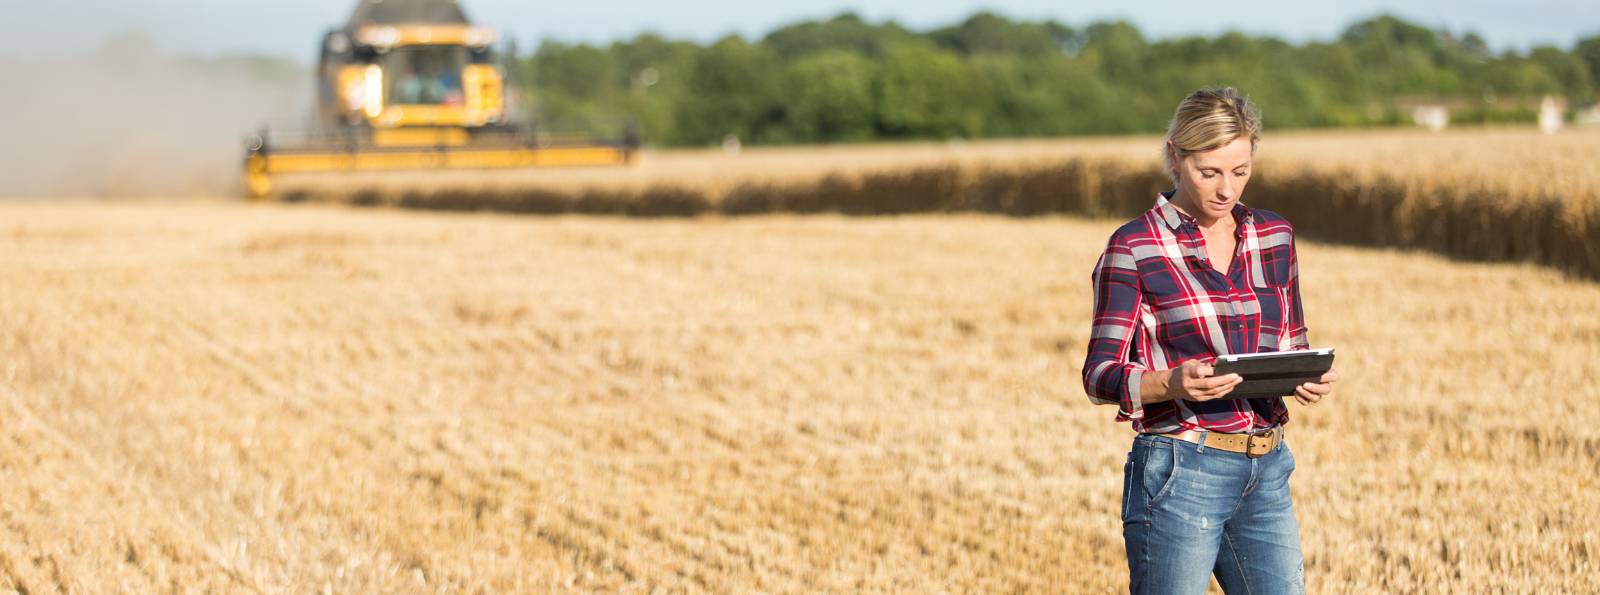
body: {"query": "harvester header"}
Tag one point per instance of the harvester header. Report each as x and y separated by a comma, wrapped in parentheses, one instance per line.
(414, 84)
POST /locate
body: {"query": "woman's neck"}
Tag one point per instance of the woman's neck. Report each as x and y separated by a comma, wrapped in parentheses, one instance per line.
(1186, 204)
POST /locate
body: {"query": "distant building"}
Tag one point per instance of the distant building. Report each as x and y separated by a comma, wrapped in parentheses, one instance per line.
(1552, 114)
(1589, 116)
(1431, 116)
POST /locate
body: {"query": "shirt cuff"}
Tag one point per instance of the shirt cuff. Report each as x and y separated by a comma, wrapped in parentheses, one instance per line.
(1133, 403)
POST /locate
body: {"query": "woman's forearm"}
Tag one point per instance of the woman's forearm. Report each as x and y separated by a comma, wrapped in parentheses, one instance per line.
(1153, 386)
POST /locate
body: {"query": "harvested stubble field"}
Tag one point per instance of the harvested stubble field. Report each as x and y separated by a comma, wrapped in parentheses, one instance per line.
(211, 397)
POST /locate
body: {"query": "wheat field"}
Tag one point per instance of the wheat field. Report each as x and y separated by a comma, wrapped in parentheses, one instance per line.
(213, 397)
(1513, 160)
(1496, 194)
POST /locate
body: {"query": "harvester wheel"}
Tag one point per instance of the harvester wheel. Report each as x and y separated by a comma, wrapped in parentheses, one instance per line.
(256, 180)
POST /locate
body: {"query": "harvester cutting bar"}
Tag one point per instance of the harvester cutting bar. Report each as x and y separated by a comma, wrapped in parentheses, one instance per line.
(265, 161)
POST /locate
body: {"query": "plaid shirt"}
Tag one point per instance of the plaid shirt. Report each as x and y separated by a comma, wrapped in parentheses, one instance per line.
(1158, 303)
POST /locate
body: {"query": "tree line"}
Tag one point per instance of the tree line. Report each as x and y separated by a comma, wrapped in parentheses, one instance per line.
(846, 79)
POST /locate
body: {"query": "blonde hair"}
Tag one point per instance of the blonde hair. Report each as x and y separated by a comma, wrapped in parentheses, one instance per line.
(1208, 119)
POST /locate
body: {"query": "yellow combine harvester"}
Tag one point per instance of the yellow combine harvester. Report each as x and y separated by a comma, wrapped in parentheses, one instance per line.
(412, 84)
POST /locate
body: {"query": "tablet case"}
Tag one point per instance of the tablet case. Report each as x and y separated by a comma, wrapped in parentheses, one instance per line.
(1274, 376)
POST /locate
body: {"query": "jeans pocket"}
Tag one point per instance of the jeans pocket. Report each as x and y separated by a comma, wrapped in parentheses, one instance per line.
(1159, 471)
(1288, 454)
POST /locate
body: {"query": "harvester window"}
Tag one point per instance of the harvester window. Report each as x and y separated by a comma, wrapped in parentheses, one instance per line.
(426, 75)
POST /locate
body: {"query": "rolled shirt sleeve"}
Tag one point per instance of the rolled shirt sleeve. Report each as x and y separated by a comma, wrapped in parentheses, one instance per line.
(1110, 373)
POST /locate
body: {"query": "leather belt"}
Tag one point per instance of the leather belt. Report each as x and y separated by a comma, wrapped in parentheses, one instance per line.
(1251, 445)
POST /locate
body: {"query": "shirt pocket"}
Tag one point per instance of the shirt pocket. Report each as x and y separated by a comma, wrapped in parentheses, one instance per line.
(1273, 298)
(1275, 268)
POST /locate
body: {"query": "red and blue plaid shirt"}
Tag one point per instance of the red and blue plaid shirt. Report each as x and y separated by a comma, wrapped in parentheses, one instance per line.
(1158, 302)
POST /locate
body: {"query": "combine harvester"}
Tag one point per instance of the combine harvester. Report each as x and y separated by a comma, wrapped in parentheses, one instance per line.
(414, 85)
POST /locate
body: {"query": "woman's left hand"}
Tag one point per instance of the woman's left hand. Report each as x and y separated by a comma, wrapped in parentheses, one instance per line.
(1311, 392)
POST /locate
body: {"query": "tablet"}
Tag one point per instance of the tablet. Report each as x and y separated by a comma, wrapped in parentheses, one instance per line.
(1273, 374)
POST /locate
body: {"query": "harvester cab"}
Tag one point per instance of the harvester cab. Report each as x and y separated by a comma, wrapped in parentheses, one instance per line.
(413, 84)
(409, 72)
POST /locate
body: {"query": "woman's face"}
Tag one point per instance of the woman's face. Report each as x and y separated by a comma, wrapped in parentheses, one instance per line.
(1214, 180)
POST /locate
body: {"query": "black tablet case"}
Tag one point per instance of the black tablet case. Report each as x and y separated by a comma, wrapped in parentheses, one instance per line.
(1274, 377)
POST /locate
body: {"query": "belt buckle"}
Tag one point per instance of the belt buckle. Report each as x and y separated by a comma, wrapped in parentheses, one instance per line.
(1250, 443)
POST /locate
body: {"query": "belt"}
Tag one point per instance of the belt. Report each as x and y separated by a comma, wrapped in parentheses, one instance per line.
(1251, 445)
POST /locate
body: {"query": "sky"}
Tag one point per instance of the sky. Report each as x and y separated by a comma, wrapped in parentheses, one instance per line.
(292, 28)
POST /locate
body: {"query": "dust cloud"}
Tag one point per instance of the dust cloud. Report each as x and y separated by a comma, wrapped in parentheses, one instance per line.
(128, 118)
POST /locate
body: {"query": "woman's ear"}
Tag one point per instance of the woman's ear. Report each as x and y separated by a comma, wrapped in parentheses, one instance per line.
(1172, 155)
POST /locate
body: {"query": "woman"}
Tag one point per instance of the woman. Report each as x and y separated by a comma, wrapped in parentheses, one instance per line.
(1205, 489)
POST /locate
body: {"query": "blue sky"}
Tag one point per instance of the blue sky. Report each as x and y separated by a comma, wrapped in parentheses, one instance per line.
(291, 27)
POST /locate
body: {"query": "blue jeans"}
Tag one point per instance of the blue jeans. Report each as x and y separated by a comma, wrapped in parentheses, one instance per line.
(1189, 512)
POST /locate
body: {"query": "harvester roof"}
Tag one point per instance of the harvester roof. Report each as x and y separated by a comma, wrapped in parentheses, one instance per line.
(393, 12)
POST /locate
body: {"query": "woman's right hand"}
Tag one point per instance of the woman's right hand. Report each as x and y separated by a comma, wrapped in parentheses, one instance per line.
(1193, 381)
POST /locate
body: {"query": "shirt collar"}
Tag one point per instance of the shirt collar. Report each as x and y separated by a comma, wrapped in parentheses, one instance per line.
(1174, 217)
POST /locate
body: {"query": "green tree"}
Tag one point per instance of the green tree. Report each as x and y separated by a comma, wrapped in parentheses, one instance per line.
(655, 76)
(1082, 101)
(1117, 50)
(1588, 50)
(1522, 77)
(571, 87)
(580, 71)
(923, 92)
(1568, 70)
(990, 33)
(844, 32)
(846, 79)
(733, 89)
(829, 97)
